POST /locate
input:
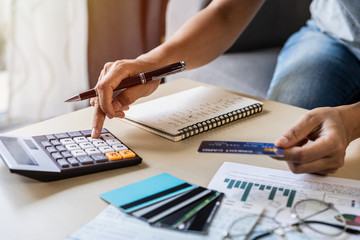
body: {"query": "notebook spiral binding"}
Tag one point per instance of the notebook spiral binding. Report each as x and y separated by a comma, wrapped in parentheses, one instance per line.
(220, 120)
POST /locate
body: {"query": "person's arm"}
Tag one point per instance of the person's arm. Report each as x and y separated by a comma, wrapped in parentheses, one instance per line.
(199, 41)
(331, 129)
(207, 34)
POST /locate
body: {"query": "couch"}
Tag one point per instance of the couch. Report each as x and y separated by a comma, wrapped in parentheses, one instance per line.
(247, 67)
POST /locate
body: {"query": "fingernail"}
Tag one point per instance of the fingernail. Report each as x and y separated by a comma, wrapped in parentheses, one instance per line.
(109, 116)
(94, 133)
(283, 140)
(120, 114)
(117, 106)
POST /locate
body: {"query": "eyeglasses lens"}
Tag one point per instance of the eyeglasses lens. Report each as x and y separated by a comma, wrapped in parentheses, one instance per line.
(320, 217)
(242, 227)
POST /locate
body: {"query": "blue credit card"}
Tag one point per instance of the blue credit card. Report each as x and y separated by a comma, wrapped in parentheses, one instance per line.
(146, 192)
(240, 148)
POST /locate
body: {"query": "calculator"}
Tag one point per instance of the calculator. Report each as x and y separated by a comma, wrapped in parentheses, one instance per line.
(62, 155)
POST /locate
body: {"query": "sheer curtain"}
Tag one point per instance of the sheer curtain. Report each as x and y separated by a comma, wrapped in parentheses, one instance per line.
(47, 57)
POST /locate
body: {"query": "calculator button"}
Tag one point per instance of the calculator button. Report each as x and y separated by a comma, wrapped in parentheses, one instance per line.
(55, 142)
(86, 145)
(80, 139)
(50, 137)
(85, 160)
(61, 148)
(72, 147)
(78, 153)
(63, 163)
(75, 134)
(113, 156)
(46, 143)
(99, 143)
(92, 151)
(73, 161)
(90, 139)
(119, 147)
(106, 149)
(127, 153)
(61, 135)
(113, 141)
(66, 154)
(99, 158)
(66, 141)
(56, 155)
(86, 132)
(104, 130)
(51, 149)
(106, 136)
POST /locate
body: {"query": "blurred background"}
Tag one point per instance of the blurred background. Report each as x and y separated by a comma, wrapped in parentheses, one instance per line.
(53, 49)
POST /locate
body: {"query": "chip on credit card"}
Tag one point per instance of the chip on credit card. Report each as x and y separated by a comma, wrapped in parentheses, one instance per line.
(240, 148)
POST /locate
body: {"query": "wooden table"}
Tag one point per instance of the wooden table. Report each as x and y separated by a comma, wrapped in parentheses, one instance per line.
(52, 210)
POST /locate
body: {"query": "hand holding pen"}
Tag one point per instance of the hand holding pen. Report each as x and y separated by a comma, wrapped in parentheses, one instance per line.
(114, 77)
(141, 78)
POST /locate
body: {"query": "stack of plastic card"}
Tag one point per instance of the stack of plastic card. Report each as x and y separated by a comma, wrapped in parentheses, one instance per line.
(168, 202)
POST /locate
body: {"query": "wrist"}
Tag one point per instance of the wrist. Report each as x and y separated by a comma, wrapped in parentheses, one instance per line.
(159, 56)
(351, 116)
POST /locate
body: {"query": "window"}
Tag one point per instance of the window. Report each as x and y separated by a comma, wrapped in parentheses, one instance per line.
(4, 79)
(4, 97)
(4, 82)
(33, 56)
(4, 92)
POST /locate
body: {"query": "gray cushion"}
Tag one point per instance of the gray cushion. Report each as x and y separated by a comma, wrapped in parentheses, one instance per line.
(248, 72)
(248, 65)
(272, 25)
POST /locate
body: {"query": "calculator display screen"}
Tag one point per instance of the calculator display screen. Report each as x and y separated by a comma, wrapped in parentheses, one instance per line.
(17, 151)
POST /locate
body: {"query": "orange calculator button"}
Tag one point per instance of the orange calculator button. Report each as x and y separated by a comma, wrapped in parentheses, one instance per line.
(113, 156)
(127, 153)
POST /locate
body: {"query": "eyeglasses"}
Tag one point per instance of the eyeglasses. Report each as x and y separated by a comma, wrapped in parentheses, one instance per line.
(309, 217)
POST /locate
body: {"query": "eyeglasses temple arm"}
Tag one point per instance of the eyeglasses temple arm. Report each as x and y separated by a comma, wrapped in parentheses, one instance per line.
(263, 235)
(348, 230)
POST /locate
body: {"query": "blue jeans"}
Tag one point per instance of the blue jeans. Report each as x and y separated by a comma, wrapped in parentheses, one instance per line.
(315, 70)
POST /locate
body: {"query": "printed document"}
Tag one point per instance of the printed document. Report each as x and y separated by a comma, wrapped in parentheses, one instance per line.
(113, 224)
(275, 189)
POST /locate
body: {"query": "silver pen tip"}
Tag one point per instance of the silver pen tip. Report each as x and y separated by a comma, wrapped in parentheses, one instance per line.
(73, 99)
(183, 65)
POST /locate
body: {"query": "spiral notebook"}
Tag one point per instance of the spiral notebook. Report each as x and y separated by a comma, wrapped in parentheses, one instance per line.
(190, 112)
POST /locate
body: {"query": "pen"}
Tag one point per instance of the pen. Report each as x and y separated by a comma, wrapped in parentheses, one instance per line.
(141, 78)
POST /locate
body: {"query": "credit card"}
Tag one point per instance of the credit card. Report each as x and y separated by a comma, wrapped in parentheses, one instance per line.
(143, 211)
(200, 221)
(171, 207)
(146, 192)
(184, 214)
(167, 202)
(240, 148)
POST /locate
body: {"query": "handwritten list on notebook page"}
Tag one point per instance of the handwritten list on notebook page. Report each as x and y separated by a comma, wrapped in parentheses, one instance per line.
(174, 112)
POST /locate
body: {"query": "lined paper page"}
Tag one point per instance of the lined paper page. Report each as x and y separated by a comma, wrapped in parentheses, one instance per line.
(177, 111)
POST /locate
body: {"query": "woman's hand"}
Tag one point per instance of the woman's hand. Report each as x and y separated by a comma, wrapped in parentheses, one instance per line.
(110, 77)
(331, 129)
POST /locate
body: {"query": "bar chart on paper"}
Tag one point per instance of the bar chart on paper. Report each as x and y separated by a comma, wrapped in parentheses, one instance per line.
(278, 188)
(246, 190)
(262, 188)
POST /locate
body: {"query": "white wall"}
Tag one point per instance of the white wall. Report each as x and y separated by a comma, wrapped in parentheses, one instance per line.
(47, 57)
(4, 20)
